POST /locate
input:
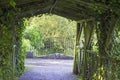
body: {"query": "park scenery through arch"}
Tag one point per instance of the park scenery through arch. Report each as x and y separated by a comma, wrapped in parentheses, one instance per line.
(58, 39)
(97, 36)
(49, 43)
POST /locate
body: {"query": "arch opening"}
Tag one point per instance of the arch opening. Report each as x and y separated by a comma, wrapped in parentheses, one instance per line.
(51, 38)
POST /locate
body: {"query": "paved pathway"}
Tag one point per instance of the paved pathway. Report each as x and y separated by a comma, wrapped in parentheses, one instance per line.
(48, 69)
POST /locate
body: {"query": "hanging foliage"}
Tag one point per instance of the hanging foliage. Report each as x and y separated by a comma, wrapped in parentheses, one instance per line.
(6, 44)
(106, 66)
(11, 51)
(19, 49)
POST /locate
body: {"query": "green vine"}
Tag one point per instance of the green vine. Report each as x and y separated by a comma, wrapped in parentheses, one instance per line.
(6, 45)
(20, 52)
(11, 63)
(11, 28)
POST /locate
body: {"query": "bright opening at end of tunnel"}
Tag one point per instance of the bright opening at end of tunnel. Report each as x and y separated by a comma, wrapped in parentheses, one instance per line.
(49, 44)
(49, 34)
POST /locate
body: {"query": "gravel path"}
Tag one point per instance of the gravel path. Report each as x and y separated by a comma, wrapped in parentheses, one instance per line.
(50, 69)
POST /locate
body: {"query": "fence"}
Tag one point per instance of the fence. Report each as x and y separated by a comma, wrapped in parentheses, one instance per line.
(56, 45)
(92, 66)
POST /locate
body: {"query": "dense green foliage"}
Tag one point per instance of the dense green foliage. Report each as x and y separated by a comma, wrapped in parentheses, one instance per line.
(11, 52)
(112, 5)
(49, 34)
(105, 63)
(19, 48)
(6, 45)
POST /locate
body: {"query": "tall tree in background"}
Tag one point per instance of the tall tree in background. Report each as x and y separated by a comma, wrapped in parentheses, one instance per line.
(42, 31)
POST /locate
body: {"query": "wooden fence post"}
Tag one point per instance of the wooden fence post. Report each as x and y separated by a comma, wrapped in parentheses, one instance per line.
(78, 34)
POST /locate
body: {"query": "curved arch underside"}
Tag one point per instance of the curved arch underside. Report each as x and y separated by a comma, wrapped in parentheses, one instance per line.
(71, 9)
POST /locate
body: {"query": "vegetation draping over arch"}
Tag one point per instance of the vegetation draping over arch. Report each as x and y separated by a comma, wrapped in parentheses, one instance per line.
(105, 18)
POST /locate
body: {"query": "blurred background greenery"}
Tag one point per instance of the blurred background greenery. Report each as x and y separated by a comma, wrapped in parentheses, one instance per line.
(47, 34)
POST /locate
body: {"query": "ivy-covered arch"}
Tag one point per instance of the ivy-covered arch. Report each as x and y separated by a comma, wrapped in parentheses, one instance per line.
(103, 15)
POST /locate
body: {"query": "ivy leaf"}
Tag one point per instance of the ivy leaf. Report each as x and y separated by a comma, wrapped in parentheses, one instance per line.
(12, 3)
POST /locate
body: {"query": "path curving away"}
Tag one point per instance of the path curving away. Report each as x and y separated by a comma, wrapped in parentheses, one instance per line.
(48, 69)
